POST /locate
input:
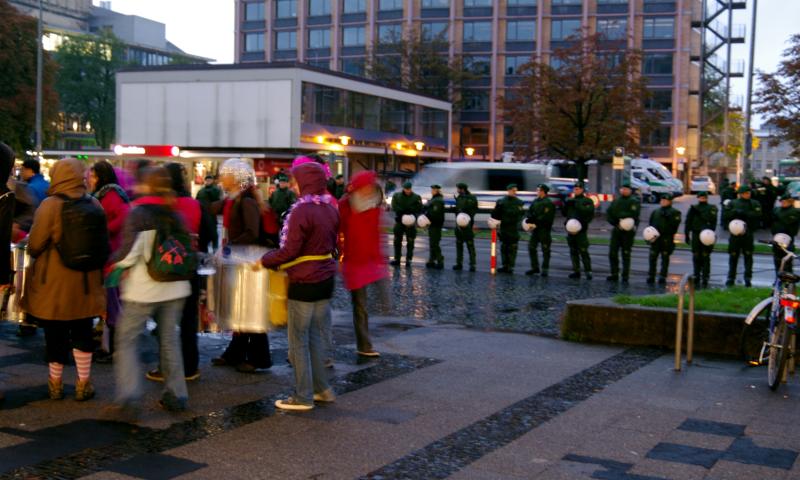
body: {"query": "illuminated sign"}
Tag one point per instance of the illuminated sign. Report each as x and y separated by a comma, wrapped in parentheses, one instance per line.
(148, 150)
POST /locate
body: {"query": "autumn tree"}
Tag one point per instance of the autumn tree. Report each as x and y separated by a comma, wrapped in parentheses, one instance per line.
(587, 100)
(778, 98)
(18, 47)
(87, 81)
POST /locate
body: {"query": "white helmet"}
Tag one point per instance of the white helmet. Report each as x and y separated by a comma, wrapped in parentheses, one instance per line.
(782, 239)
(493, 223)
(737, 227)
(463, 219)
(574, 226)
(627, 224)
(409, 220)
(651, 234)
(726, 202)
(708, 237)
(423, 221)
(528, 227)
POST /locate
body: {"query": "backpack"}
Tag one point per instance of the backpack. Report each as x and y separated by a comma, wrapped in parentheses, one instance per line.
(84, 245)
(173, 257)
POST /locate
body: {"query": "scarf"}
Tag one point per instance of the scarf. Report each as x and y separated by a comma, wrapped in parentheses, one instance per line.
(315, 199)
(111, 186)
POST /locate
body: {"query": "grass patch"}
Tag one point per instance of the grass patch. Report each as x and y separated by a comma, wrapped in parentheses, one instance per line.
(726, 300)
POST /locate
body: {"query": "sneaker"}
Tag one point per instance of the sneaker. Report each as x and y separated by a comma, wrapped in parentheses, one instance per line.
(457, 268)
(612, 278)
(395, 263)
(290, 404)
(368, 353)
(194, 376)
(574, 275)
(325, 397)
(154, 375)
(84, 390)
(55, 388)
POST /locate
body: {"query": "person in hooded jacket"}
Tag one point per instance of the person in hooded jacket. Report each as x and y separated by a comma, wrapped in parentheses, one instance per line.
(6, 219)
(62, 300)
(311, 231)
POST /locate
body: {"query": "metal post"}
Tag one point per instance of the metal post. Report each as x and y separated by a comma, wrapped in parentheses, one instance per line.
(39, 75)
(725, 120)
(748, 136)
(679, 326)
(690, 324)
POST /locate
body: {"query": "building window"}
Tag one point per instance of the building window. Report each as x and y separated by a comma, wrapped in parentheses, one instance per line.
(659, 137)
(477, 3)
(353, 66)
(319, 38)
(254, 11)
(435, 3)
(610, 2)
(660, 101)
(476, 101)
(286, 40)
(515, 62)
(319, 8)
(613, 28)
(286, 8)
(353, 36)
(659, 28)
(254, 42)
(524, 3)
(521, 31)
(474, 135)
(434, 30)
(390, 33)
(434, 123)
(397, 117)
(658, 64)
(478, 65)
(324, 63)
(567, 2)
(563, 29)
(477, 31)
(388, 5)
(354, 6)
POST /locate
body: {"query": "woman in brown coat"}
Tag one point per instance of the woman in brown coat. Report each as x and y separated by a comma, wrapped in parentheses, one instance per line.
(62, 300)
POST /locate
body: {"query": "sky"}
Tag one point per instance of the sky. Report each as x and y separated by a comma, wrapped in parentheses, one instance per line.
(206, 28)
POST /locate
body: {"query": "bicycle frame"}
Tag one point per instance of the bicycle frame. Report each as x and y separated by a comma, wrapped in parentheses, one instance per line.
(783, 296)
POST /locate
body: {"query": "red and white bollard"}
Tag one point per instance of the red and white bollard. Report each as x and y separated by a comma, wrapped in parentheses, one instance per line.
(493, 261)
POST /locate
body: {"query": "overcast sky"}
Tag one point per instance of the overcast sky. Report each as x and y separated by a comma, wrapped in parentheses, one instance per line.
(205, 27)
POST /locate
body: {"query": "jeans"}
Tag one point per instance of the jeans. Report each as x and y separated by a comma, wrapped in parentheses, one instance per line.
(189, 326)
(307, 348)
(128, 369)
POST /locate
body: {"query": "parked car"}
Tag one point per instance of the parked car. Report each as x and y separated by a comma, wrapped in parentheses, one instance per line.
(703, 183)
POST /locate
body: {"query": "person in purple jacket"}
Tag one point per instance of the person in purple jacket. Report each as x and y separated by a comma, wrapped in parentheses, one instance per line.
(310, 230)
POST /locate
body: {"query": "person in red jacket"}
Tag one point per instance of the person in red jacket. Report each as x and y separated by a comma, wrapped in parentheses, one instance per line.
(364, 261)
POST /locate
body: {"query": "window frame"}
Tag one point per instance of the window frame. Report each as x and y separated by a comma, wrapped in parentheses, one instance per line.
(327, 42)
(517, 24)
(472, 25)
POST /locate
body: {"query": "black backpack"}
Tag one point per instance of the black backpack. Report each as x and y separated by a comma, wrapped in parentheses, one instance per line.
(84, 244)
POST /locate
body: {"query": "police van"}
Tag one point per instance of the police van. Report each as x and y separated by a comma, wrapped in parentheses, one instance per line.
(653, 179)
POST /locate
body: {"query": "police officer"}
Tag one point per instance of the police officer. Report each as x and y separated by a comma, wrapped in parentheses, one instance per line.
(767, 194)
(466, 203)
(701, 216)
(580, 208)
(405, 202)
(624, 206)
(282, 198)
(749, 211)
(435, 213)
(509, 210)
(785, 219)
(541, 213)
(666, 220)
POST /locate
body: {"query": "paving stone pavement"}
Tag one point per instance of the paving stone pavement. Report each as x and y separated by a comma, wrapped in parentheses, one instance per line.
(472, 384)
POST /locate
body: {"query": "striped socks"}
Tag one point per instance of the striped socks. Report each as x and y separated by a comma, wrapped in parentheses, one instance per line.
(83, 361)
(56, 369)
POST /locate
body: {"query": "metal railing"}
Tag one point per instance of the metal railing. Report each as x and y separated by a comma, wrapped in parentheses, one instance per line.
(686, 282)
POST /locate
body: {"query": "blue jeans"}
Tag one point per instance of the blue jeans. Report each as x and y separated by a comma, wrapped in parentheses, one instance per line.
(127, 368)
(307, 348)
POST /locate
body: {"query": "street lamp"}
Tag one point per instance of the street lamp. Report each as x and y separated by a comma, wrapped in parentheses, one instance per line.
(345, 140)
(419, 145)
(680, 150)
(470, 151)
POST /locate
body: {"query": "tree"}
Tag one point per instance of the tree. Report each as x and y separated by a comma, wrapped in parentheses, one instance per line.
(589, 101)
(18, 83)
(87, 81)
(778, 98)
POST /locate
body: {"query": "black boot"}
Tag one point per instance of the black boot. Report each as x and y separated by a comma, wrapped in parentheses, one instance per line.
(458, 267)
(574, 275)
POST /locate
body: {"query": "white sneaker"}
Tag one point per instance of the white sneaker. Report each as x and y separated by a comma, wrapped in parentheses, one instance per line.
(291, 404)
(325, 397)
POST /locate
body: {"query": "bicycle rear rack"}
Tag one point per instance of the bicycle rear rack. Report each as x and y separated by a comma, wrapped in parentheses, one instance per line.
(687, 282)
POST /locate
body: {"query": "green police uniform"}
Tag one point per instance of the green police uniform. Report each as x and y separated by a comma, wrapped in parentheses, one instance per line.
(666, 220)
(785, 220)
(403, 204)
(581, 208)
(509, 210)
(701, 216)
(748, 211)
(280, 201)
(541, 213)
(465, 203)
(435, 213)
(622, 207)
(728, 192)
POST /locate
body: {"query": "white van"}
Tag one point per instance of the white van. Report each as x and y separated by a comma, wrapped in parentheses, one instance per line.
(656, 176)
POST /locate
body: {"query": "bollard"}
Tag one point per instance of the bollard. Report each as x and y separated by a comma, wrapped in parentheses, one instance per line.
(687, 279)
(493, 261)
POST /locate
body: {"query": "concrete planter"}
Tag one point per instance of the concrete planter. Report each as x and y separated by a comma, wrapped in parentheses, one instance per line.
(603, 321)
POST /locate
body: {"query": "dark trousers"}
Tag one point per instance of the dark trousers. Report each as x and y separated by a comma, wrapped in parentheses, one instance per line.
(435, 239)
(361, 319)
(508, 250)
(252, 348)
(540, 236)
(740, 245)
(579, 251)
(621, 240)
(189, 326)
(659, 251)
(62, 336)
(701, 258)
(410, 233)
(465, 235)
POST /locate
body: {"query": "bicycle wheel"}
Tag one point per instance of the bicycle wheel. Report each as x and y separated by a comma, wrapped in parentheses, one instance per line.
(753, 338)
(778, 354)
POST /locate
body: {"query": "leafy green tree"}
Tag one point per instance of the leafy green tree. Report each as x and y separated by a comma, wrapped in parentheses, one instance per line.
(587, 100)
(778, 99)
(18, 83)
(87, 81)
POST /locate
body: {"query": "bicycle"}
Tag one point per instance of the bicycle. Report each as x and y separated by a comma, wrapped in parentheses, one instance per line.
(772, 335)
